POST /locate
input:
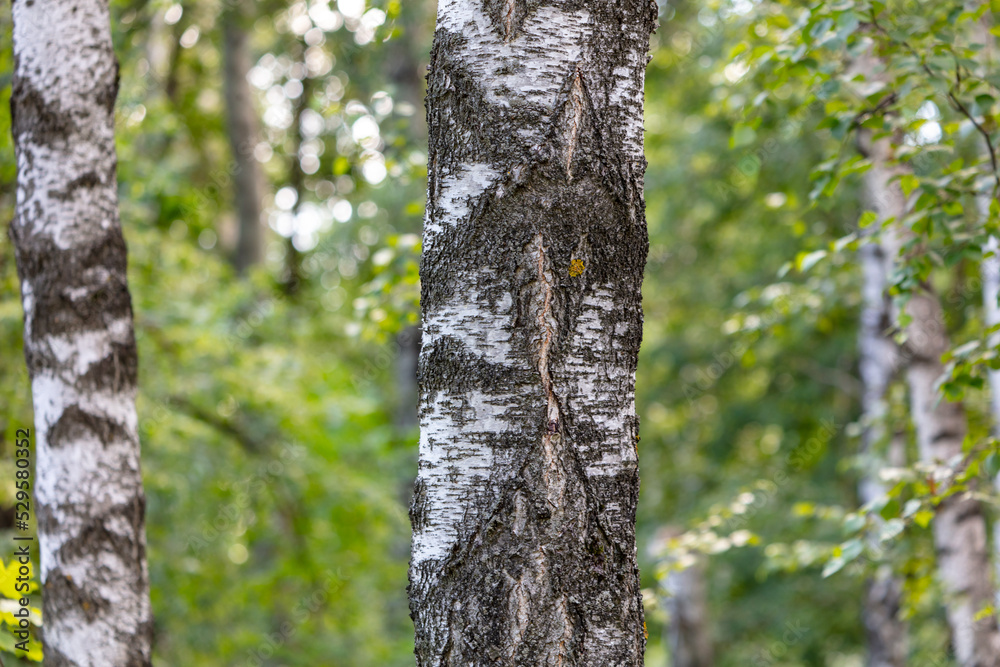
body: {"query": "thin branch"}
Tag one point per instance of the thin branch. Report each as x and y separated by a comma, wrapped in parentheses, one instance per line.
(952, 99)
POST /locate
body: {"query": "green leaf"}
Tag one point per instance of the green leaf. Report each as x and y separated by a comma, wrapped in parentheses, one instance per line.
(992, 464)
(833, 566)
(806, 260)
(890, 509)
(891, 529)
(851, 549)
(909, 183)
(854, 522)
(743, 135)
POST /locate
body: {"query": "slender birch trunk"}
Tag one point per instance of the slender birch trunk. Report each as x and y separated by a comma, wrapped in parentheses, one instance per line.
(78, 337)
(534, 247)
(990, 273)
(885, 630)
(959, 525)
(244, 133)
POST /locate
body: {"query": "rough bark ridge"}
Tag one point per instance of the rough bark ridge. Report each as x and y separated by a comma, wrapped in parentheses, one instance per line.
(885, 630)
(244, 134)
(534, 246)
(78, 337)
(959, 525)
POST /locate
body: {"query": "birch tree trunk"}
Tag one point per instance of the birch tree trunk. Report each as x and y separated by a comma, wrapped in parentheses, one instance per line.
(244, 133)
(990, 270)
(78, 337)
(959, 525)
(885, 630)
(990, 275)
(534, 246)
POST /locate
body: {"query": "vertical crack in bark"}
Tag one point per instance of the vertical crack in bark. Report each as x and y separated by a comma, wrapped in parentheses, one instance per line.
(510, 7)
(576, 103)
(553, 452)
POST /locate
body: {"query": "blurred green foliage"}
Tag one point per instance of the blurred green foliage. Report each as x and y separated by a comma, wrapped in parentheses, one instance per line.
(277, 467)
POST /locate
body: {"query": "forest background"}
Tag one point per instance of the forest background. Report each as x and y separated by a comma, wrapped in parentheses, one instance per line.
(277, 405)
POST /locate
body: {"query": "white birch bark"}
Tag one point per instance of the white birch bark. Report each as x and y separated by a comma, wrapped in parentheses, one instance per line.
(885, 630)
(78, 337)
(990, 276)
(959, 526)
(990, 272)
(534, 245)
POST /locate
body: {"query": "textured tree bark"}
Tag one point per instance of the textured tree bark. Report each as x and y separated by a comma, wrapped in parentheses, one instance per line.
(244, 133)
(885, 630)
(78, 336)
(959, 524)
(534, 246)
(689, 636)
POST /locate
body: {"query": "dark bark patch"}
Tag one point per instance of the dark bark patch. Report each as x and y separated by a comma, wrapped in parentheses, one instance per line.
(76, 287)
(63, 594)
(95, 537)
(86, 180)
(117, 371)
(75, 424)
(35, 120)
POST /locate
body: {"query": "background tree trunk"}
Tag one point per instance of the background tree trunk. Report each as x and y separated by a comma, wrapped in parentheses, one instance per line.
(244, 133)
(78, 337)
(990, 268)
(687, 607)
(959, 525)
(534, 246)
(990, 275)
(884, 629)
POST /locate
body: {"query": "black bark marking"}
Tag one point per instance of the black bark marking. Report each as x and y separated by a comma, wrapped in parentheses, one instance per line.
(75, 423)
(76, 287)
(86, 180)
(35, 119)
(117, 371)
(68, 596)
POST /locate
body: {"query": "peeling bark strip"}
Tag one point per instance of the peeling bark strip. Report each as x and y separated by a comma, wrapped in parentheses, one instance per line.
(78, 337)
(534, 246)
(959, 524)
